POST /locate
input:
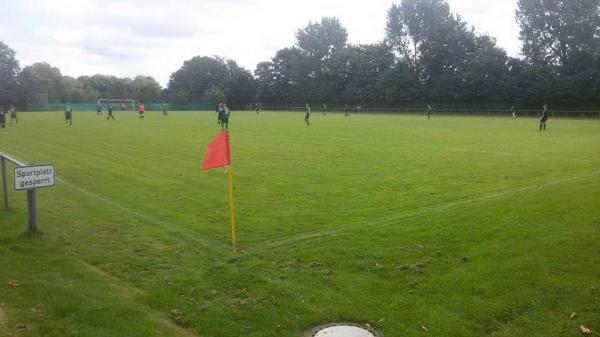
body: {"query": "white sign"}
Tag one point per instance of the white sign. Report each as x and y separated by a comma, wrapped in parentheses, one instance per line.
(34, 176)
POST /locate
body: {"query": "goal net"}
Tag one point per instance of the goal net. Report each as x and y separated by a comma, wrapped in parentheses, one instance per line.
(117, 104)
(254, 106)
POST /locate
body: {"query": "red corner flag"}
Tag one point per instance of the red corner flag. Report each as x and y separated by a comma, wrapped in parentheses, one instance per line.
(218, 152)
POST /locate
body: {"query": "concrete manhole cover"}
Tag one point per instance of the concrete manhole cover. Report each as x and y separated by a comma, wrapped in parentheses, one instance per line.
(343, 330)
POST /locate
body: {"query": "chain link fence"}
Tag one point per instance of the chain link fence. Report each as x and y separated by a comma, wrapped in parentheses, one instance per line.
(587, 114)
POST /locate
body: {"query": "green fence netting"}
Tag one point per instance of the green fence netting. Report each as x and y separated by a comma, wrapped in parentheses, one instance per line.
(128, 107)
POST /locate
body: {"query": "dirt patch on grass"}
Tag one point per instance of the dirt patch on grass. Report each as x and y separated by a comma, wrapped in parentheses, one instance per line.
(4, 323)
(124, 290)
(3, 319)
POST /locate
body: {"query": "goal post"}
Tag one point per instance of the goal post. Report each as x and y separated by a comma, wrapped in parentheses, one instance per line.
(128, 102)
(254, 106)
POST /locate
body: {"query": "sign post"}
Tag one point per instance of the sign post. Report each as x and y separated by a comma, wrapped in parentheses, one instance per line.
(31, 207)
(27, 178)
(4, 185)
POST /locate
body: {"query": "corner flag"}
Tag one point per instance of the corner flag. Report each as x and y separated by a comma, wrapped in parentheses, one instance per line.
(218, 155)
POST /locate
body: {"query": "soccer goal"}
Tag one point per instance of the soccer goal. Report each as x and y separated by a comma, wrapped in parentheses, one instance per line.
(254, 106)
(122, 104)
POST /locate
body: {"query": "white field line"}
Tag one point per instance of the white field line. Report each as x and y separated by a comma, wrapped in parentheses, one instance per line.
(386, 220)
(458, 149)
(510, 154)
(144, 216)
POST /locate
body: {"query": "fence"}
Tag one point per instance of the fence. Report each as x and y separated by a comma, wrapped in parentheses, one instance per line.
(148, 106)
(449, 112)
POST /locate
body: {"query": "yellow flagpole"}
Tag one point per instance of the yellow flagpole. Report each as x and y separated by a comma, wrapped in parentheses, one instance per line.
(231, 212)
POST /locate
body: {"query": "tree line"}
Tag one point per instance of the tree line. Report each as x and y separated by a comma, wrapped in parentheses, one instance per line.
(429, 54)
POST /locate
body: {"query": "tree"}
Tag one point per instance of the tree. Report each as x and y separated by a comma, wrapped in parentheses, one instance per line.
(401, 83)
(450, 59)
(74, 91)
(319, 40)
(361, 73)
(215, 94)
(146, 89)
(560, 33)
(241, 86)
(191, 83)
(42, 83)
(9, 76)
(318, 43)
(266, 82)
(288, 74)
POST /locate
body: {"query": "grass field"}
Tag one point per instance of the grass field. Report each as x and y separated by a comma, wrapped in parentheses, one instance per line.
(457, 226)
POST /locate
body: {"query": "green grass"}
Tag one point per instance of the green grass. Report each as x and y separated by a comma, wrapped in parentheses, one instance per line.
(466, 226)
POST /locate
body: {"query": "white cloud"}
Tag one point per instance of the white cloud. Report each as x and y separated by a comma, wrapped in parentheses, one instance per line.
(155, 37)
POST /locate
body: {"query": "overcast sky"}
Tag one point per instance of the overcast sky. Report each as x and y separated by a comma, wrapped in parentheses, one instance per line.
(153, 37)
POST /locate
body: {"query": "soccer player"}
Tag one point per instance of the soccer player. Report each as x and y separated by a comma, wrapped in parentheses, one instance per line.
(2, 119)
(346, 110)
(324, 109)
(225, 117)
(544, 118)
(257, 108)
(219, 112)
(164, 106)
(13, 114)
(307, 114)
(68, 115)
(122, 107)
(428, 111)
(141, 109)
(110, 113)
(98, 109)
(514, 112)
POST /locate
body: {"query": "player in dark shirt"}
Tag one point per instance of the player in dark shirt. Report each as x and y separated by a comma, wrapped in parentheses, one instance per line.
(13, 114)
(346, 110)
(110, 113)
(69, 115)
(219, 112)
(2, 119)
(225, 117)
(307, 114)
(544, 118)
(98, 109)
